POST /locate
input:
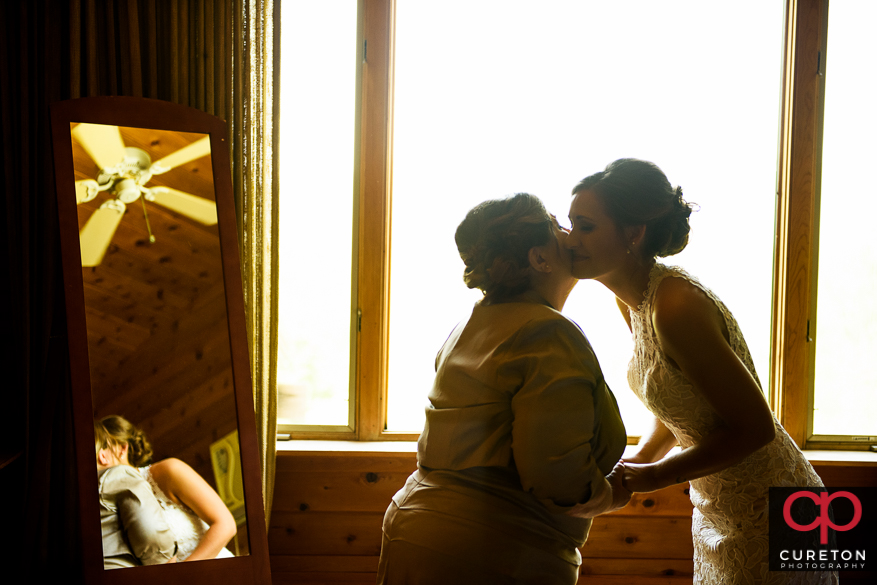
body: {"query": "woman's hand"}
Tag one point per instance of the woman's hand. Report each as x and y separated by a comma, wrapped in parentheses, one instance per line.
(638, 477)
(609, 496)
(620, 493)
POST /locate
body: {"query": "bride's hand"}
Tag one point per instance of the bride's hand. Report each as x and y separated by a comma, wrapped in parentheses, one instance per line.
(638, 477)
(610, 496)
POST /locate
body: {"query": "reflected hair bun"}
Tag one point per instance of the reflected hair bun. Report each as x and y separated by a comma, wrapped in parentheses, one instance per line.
(113, 431)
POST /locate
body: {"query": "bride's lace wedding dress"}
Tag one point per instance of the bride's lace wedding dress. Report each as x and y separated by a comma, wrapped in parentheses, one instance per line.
(730, 519)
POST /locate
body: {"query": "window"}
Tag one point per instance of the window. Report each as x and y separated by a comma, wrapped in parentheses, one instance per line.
(823, 349)
(316, 311)
(517, 98)
(449, 111)
(847, 258)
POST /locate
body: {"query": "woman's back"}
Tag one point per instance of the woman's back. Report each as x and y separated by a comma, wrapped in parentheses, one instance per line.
(500, 378)
(520, 424)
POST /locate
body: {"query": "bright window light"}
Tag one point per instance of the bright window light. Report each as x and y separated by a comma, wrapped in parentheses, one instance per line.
(317, 117)
(846, 340)
(494, 97)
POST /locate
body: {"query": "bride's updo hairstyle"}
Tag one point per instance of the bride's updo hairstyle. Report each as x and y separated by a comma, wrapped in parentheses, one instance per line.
(636, 192)
(494, 241)
(114, 431)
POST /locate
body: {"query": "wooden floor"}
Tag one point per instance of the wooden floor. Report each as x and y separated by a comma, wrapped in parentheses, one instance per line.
(328, 508)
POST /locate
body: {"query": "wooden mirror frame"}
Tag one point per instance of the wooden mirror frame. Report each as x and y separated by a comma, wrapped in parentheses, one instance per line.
(148, 113)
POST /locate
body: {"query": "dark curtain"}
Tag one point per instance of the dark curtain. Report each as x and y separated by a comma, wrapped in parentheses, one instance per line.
(38, 476)
(187, 51)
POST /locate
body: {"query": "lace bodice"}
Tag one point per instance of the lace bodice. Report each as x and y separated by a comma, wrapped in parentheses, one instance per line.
(729, 524)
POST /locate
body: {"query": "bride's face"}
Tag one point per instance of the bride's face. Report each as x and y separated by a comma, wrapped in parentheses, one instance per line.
(595, 243)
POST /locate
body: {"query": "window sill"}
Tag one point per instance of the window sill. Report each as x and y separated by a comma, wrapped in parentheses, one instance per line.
(842, 458)
(397, 447)
(832, 458)
(303, 445)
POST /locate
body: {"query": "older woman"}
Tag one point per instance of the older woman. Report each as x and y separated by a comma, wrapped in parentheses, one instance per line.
(692, 369)
(521, 428)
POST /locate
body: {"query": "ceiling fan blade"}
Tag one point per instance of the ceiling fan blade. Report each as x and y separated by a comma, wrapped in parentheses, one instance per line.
(197, 208)
(95, 237)
(186, 154)
(102, 143)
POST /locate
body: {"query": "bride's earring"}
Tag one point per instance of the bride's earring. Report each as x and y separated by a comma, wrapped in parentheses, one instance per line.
(631, 245)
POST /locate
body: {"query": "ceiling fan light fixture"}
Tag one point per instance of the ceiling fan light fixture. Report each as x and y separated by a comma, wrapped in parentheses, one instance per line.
(135, 165)
(124, 172)
(127, 190)
(86, 190)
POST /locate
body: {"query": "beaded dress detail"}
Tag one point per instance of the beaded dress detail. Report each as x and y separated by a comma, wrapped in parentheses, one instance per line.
(730, 519)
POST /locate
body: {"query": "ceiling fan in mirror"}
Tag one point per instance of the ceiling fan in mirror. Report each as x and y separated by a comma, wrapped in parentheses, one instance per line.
(124, 174)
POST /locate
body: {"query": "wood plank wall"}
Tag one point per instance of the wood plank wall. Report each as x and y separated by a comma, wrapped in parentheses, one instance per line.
(328, 507)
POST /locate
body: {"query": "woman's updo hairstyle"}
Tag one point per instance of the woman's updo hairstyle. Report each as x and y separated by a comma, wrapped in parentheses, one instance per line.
(636, 192)
(114, 431)
(494, 241)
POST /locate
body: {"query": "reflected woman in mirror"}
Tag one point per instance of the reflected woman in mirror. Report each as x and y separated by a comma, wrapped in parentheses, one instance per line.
(521, 429)
(692, 369)
(133, 526)
(198, 518)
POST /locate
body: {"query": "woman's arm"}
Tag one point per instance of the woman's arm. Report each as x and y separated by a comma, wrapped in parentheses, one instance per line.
(554, 416)
(182, 484)
(691, 332)
(659, 440)
(654, 445)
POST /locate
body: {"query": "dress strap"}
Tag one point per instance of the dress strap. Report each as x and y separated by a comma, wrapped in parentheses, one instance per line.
(657, 273)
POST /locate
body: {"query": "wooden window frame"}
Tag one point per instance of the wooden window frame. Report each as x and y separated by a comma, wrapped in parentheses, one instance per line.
(376, 195)
(798, 178)
(371, 254)
(797, 224)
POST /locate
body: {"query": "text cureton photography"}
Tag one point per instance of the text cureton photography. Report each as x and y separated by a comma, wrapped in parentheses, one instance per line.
(819, 529)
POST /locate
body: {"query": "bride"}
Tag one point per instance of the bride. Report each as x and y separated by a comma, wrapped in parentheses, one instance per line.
(200, 521)
(692, 369)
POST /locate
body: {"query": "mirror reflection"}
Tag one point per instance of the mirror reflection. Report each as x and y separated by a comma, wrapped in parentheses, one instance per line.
(166, 444)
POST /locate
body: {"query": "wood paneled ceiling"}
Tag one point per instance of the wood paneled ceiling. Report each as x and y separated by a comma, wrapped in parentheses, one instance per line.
(155, 312)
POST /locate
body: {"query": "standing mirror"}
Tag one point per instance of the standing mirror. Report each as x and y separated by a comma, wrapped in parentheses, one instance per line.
(157, 331)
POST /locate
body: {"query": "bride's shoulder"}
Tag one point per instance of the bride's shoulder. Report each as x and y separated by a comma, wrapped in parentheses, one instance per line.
(167, 469)
(170, 474)
(679, 300)
(686, 318)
